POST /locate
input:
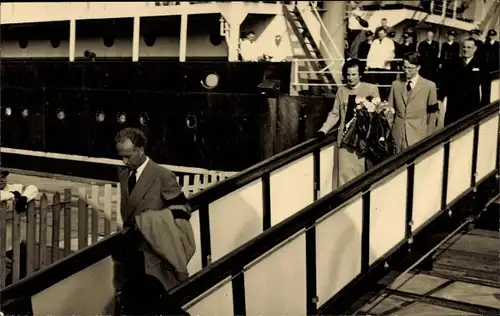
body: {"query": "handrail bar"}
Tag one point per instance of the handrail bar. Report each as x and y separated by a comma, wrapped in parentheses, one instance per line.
(253, 249)
(229, 263)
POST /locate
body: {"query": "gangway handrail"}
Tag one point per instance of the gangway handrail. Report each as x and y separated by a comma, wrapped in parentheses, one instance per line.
(71, 264)
(234, 261)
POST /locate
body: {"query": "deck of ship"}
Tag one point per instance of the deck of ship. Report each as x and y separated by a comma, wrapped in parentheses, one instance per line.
(463, 279)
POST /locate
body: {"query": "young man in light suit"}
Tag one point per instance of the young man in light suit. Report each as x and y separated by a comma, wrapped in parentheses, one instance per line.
(157, 236)
(415, 103)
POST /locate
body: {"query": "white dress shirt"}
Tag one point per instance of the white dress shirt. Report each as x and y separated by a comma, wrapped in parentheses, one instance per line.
(276, 53)
(380, 52)
(413, 81)
(249, 51)
(139, 170)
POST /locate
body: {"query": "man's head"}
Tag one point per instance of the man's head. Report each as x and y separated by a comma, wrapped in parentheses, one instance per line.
(251, 36)
(130, 145)
(369, 35)
(469, 47)
(451, 35)
(383, 22)
(3, 179)
(381, 33)
(411, 64)
(277, 40)
(491, 34)
(406, 37)
(430, 35)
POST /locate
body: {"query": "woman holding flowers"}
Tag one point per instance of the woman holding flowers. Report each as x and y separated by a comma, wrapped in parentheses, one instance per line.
(348, 163)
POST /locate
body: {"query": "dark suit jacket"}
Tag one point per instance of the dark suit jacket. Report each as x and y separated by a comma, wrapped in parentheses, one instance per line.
(158, 209)
(469, 91)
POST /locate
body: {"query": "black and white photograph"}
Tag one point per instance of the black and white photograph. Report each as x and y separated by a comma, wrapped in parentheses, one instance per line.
(250, 158)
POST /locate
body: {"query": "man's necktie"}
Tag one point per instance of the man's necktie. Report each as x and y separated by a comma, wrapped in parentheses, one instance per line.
(408, 86)
(131, 181)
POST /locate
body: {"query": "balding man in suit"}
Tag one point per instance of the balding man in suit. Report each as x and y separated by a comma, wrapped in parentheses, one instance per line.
(157, 236)
(415, 103)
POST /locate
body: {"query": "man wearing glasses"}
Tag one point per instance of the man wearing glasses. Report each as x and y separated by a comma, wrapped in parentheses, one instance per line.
(415, 103)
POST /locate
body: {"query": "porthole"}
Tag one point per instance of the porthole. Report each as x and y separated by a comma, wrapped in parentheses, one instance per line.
(55, 42)
(211, 81)
(122, 118)
(143, 119)
(108, 40)
(8, 111)
(61, 115)
(23, 43)
(191, 121)
(215, 39)
(149, 39)
(100, 117)
(25, 113)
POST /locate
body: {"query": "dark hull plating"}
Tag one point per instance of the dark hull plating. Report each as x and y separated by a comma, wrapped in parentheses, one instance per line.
(226, 128)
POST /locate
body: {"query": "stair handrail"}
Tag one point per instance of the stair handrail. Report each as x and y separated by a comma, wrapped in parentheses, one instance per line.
(325, 29)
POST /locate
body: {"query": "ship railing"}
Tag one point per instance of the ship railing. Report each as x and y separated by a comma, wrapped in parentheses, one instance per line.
(445, 8)
(301, 77)
(316, 4)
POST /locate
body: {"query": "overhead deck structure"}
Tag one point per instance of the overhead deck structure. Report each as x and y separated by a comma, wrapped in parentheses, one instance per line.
(299, 246)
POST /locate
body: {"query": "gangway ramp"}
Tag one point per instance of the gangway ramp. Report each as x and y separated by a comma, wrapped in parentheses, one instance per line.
(312, 259)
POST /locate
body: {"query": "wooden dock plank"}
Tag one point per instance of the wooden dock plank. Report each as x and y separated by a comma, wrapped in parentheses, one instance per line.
(470, 257)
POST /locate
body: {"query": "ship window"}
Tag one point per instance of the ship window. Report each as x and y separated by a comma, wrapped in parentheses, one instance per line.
(149, 39)
(143, 119)
(122, 118)
(215, 38)
(23, 43)
(60, 114)
(99, 117)
(8, 111)
(211, 81)
(25, 113)
(108, 40)
(191, 121)
(55, 42)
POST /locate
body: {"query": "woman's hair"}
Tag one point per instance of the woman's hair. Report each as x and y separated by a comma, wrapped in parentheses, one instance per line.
(351, 63)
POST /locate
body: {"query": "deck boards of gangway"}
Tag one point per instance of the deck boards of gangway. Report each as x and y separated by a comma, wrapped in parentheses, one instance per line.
(464, 280)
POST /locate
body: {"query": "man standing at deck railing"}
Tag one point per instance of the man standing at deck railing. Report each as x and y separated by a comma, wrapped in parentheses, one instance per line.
(157, 235)
(22, 194)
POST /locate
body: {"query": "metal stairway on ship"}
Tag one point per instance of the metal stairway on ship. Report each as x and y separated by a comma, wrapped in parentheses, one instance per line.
(319, 250)
(311, 49)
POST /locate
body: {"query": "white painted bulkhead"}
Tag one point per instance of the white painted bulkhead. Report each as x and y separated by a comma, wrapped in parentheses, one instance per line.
(266, 20)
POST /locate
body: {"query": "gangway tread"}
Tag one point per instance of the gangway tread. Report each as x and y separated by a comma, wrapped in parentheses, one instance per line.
(444, 289)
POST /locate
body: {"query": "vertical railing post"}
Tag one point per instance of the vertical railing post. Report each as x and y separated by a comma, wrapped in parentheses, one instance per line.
(31, 238)
(43, 230)
(3, 244)
(443, 9)
(56, 225)
(72, 39)
(455, 6)
(432, 7)
(67, 222)
(136, 37)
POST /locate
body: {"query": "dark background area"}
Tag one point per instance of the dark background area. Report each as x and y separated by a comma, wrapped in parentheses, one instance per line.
(187, 125)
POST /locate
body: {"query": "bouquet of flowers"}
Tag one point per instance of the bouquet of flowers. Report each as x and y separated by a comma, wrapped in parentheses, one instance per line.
(369, 132)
